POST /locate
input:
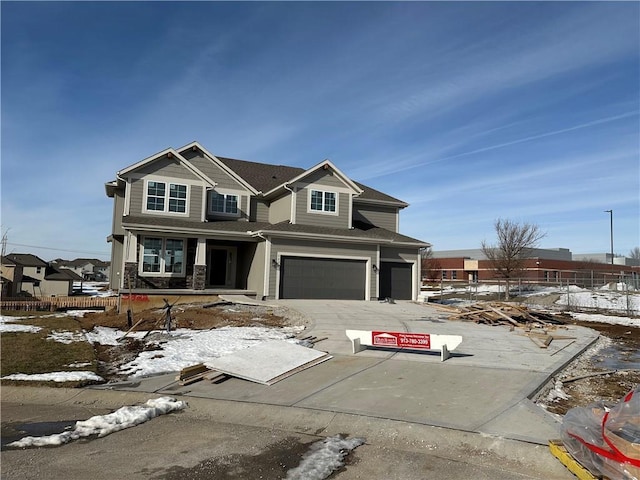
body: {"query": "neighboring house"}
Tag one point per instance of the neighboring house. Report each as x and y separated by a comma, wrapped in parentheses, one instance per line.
(89, 269)
(30, 275)
(10, 273)
(186, 220)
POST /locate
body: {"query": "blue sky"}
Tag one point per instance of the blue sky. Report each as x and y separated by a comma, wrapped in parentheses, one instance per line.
(468, 111)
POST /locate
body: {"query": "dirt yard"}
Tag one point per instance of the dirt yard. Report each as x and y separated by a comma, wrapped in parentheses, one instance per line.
(190, 316)
(606, 372)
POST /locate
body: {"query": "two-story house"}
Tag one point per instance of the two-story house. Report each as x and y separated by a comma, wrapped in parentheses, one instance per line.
(89, 269)
(187, 220)
(27, 274)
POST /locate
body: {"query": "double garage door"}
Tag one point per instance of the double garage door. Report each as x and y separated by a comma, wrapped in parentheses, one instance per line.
(340, 279)
(306, 277)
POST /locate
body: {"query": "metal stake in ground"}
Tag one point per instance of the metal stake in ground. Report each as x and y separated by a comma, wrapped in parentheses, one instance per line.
(167, 313)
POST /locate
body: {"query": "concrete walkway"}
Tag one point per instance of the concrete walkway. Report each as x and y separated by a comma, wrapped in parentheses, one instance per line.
(484, 387)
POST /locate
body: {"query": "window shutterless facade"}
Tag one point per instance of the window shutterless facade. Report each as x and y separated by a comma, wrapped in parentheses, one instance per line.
(166, 197)
(224, 203)
(323, 202)
(162, 256)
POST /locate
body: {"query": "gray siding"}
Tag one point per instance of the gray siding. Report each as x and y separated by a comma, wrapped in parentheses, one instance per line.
(116, 273)
(323, 178)
(166, 167)
(280, 209)
(255, 278)
(312, 248)
(213, 171)
(380, 216)
(137, 198)
(259, 210)
(399, 254)
(118, 211)
(322, 219)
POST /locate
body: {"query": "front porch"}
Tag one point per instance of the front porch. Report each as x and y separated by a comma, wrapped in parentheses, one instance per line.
(187, 266)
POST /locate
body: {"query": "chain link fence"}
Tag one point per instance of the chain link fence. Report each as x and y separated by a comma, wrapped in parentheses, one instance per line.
(602, 293)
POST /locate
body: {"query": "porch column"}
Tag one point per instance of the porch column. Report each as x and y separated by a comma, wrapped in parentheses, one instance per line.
(130, 277)
(200, 265)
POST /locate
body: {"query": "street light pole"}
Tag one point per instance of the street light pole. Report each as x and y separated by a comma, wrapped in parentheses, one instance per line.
(610, 212)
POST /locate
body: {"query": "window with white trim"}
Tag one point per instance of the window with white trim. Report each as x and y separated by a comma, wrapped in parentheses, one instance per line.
(166, 197)
(162, 256)
(226, 203)
(321, 201)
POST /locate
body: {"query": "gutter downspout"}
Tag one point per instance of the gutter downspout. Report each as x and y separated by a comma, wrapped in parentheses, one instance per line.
(294, 199)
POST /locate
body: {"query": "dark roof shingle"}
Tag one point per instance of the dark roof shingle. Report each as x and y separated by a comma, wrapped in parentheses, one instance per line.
(265, 177)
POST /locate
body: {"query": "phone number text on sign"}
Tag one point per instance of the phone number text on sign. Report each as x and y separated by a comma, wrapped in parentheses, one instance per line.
(401, 339)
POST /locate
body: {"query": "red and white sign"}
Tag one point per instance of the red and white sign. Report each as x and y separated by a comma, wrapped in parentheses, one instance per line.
(401, 340)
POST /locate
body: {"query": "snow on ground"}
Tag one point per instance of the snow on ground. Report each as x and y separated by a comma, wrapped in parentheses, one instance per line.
(601, 299)
(611, 297)
(74, 376)
(110, 336)
(183, 347)
(66, 337)
(93, 289)
(611, 319)
(10, 324)
(172, 351)
(102, 425)
(323, 458)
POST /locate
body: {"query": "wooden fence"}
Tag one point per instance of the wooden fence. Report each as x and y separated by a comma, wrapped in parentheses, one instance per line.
(58, 303)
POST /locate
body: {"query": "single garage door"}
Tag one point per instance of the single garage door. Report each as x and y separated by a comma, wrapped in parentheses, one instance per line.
(396, 280)
(305, 277)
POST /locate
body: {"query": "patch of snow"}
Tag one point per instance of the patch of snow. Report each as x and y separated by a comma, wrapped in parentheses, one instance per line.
(66, 337)
(7, 324)
(78, 364)
(109, 336)
(323, 458)
(102, 425)
(610, 319)
(557, 392)
(55, 377)
(183, 347)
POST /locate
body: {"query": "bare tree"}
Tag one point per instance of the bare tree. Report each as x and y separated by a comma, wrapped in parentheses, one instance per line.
(515, 242)
(430, 267)
(635, 253)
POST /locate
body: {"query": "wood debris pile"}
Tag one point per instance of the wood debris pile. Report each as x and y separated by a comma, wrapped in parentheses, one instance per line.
(539, 326)
(198, 372)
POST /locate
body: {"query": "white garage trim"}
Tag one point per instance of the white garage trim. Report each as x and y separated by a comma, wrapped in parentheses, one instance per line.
(367, 260)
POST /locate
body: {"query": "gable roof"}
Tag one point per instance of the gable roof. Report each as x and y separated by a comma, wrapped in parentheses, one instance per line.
(63, 274)
(80, 262)
(259, 178)
(265, 177)
(324, 165)
(170, 152)
(26, 260)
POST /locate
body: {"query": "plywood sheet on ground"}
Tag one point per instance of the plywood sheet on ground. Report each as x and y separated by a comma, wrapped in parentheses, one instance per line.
(268, 362)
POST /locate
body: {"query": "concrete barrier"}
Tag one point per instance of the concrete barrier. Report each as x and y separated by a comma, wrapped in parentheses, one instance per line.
(361, 339)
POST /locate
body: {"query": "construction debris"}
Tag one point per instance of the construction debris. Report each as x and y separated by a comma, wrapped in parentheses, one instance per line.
(537, 325)
(268, 362)
(198, 372)
(500, 313)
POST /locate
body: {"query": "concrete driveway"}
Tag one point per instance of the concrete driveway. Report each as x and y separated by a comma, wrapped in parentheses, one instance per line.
(395, 399)
(483, 388)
